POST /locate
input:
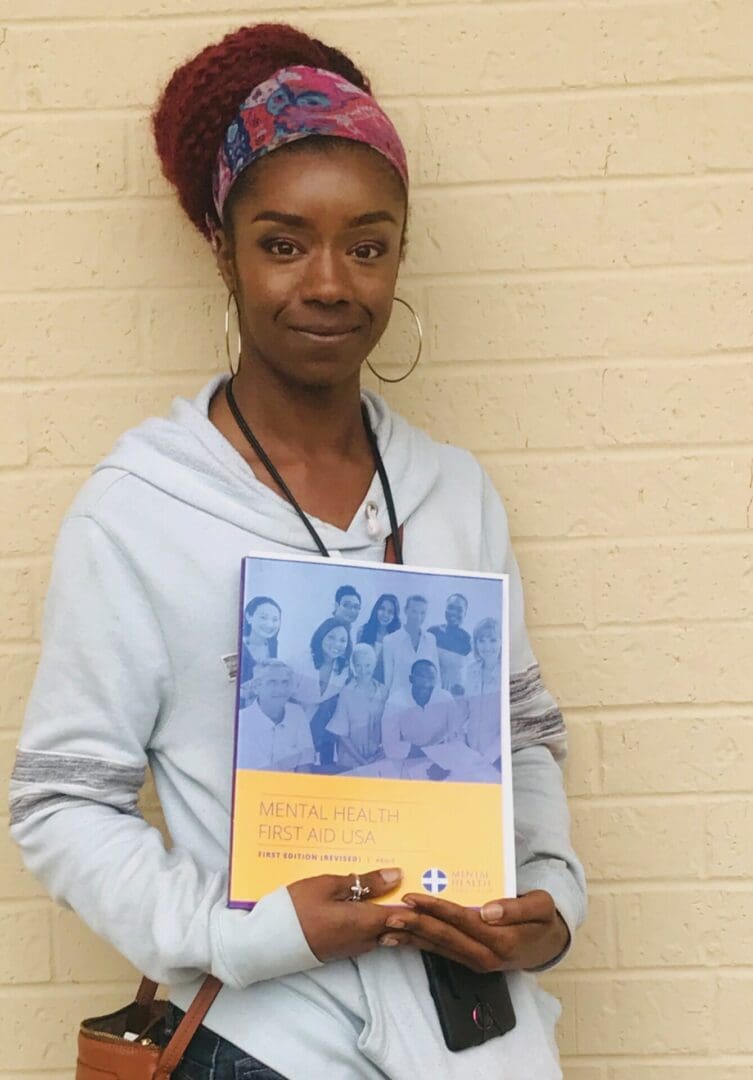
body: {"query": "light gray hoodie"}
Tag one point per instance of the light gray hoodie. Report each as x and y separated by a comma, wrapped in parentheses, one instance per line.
(141, 608)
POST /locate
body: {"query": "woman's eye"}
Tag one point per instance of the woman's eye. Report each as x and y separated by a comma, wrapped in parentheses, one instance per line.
(281, 247)
(368, 251)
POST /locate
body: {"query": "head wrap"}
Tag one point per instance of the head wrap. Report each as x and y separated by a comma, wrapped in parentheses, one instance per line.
(294, 103)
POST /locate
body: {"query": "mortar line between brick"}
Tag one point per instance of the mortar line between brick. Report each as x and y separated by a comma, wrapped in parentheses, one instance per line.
(595, 183)
(676, 87)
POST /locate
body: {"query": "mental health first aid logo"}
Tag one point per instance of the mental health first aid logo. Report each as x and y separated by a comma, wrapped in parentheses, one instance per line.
(434, 881)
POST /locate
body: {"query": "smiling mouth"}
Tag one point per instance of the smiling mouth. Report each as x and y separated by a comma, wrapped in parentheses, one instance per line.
(327, 337)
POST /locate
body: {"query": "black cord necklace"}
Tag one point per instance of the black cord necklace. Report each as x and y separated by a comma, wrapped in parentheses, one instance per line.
(273, 472)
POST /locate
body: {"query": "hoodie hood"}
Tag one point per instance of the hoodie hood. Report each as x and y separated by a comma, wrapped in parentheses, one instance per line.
(186, 457)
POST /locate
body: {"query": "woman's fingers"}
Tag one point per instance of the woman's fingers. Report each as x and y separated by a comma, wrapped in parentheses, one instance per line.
(431, 935)
(537, 906)
(378, 882)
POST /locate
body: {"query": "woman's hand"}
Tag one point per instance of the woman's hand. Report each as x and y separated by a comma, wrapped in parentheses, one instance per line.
(334, 926)
(505, 935)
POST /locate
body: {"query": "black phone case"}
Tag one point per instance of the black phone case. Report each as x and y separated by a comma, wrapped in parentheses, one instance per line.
(472, 1008)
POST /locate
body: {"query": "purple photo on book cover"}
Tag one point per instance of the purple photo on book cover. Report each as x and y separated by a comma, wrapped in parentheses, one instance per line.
(370, 671)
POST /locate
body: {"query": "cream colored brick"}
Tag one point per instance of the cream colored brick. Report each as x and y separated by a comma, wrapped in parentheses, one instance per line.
(692, 580)
(564, 991)
(529, 46)
(62, 157)
(729, 827)
(8, 741)
(647, 666)
(707, 754)
(79, 956)
(184, 330)
(682, 132)
(660, 1015)
(583, 1072)
(57, 1074)
(583, 764)
(78, 424)
(616, 225)
(16, 604)
(25, 945)
(118, 246)
(71, 66)
(594, 946)
(118, 9)
(492, 49)
(557, 585)
(14, 428)
(650, 840)
(148, 799)
(689, 403)
(16, 883)
(734, 1032)
(31, 511)
(508, 410)
(39, 577)
(69, 335)
(681, 313)
(684, 927)
(16, 675)
(688, 1069)
(625, 496)
(40, 1025)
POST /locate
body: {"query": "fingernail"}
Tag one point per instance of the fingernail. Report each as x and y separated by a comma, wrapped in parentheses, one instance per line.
(391, 877)
(395, 923)
(388, 941)
(409, 902)
(492, 912)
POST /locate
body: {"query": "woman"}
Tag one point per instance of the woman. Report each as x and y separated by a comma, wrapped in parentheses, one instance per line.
(308, 229)
(383, 620)
(322, 674)
(482, 691)
(261, 625)
(357, 722)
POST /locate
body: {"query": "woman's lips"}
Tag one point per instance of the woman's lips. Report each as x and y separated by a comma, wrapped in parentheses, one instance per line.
(325, 338)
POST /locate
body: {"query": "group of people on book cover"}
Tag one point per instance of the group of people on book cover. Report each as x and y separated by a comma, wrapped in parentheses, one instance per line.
(383, 696)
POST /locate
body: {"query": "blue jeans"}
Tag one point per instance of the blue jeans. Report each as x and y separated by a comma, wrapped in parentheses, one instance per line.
(209, 1057)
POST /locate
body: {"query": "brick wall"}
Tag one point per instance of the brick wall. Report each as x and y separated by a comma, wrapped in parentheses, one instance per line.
(580, 252)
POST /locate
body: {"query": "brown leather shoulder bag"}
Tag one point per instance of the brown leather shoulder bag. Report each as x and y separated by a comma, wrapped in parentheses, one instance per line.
(105, 1053)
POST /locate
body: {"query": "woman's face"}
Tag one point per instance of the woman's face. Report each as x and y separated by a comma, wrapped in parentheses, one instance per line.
(335, 643)
(265, 621)
(363, 665)
(489, 647)
(313, 261)
(385, 613)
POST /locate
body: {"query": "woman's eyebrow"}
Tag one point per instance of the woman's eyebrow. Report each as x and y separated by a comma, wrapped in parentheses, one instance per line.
(295, 221)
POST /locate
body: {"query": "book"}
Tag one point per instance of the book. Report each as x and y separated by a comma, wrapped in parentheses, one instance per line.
(372, 728)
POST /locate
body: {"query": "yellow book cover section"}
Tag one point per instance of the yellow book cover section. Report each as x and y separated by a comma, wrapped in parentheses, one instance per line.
(372, 728)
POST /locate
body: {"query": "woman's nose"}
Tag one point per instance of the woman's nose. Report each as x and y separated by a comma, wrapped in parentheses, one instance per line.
(327, 279)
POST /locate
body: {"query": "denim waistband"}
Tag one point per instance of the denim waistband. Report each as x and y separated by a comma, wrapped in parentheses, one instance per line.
(210, 1057)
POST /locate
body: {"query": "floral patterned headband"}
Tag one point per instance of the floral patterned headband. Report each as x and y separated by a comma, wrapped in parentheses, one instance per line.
(296, 102)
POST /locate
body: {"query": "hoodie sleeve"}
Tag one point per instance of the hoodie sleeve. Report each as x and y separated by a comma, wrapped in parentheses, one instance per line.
(544, 856)
(102, 685)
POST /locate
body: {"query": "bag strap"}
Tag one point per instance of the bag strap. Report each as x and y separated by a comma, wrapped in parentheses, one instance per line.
(186, 1029)
(146, 991)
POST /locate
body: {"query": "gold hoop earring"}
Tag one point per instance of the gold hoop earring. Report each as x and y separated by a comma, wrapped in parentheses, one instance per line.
(231, 297)
(412, 368)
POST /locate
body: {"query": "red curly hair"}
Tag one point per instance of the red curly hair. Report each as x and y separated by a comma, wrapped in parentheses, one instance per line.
(203, 95)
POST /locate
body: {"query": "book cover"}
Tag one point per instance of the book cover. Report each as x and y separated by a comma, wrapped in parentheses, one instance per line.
(372, 728)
